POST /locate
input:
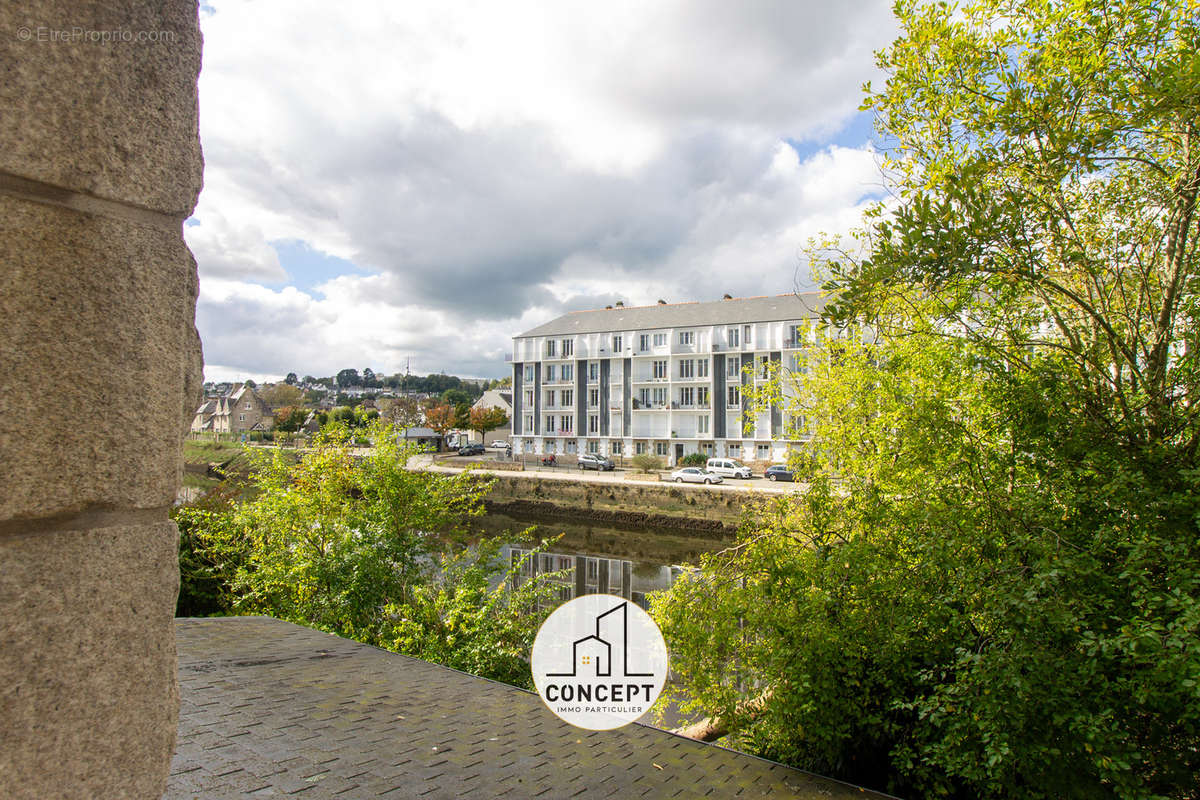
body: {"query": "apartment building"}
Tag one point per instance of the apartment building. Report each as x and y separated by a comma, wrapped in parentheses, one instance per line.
(666, 379)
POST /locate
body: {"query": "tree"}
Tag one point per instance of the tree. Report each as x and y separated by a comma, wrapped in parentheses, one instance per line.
(456, 396)
(348, 377)
(249, 384)
(289, 418)
(992, 588)
(291, 379)
(441, 418)
(403, 413)
(282, 394)
(364, 548)
(482, 420)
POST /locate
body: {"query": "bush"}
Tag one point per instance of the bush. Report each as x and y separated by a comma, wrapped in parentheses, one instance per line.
(647, 462)
(694, 460)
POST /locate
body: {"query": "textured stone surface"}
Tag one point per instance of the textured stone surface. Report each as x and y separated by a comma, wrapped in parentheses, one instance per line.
(100, 360)
(89, 697)
(273, 709)
(116, 119)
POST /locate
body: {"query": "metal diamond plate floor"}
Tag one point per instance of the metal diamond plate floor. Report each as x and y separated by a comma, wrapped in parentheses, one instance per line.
(271, 709)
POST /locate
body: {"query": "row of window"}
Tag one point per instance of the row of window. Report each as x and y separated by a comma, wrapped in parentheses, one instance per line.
(735, 336)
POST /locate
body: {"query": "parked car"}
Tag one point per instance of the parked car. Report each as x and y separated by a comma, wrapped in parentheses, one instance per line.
(593, 461)
(779, 472)
(474, 449)
(728, 468)
(694, 475)
(499, 444)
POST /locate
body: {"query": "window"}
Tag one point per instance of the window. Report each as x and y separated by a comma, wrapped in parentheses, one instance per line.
(549, 373)
(660, 340)
(660, 448)
(549, 423)
(639, 447)
(551, 345)
(568, 347)
(616, 343)
(644, 397)
(764, 452)
(702, 396)
(702, 368)
(731, 337)
(566, 424)
(614, 447)
(764, 367)
(593, 371)
(570, 449)
(798, 334)
(660, 369)
(529, 397)
(593, 398)
(567, 396)
(567, 372)
(747, 330)
(707, 448)
(660, 397)
(735, 396)
(644, 342)
(687, 396)
(593, 446)
(593, 424)
(733, 366)
(550, 399)
(687, 368)
(702, 423)
(687, 337)
(528, 423)
(247, 405)
(241, 417)
(529, 374)
(548, 446)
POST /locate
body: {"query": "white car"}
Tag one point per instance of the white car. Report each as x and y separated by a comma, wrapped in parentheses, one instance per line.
(729, 467)
(694, 475)
(499, 444)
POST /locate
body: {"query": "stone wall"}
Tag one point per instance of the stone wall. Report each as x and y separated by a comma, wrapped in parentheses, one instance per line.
(100, 370)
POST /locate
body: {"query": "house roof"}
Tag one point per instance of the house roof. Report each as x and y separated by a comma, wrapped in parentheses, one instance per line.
(683, 315)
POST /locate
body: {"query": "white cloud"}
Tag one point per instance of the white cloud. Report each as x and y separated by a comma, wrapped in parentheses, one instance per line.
(498, 163)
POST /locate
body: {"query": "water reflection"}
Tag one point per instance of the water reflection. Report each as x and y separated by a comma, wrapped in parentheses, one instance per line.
(627, 562)
(593, 574)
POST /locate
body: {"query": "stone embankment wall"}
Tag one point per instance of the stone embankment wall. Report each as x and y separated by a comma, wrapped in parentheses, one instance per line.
(100, 372)
(686, 508)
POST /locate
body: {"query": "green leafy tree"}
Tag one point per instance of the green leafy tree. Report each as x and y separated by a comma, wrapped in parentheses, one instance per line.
(291, 379)
(993, 587)
(344, 544)
(281, 394)
(289, 418)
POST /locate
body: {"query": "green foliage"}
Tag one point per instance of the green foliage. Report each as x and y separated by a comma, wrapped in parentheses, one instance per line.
(289, 418)
(646, 462)
(693, 460)
(363, 548)
(993, 587)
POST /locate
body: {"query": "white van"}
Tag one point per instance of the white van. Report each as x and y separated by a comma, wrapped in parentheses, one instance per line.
(728, 468)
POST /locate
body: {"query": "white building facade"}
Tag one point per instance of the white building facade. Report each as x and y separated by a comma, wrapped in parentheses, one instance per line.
(667, 379)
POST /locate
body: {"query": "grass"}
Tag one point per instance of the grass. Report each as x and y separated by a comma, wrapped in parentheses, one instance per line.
(200, 451)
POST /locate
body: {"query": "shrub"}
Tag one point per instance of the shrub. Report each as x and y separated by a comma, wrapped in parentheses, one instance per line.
(647, 462)
(694, 460)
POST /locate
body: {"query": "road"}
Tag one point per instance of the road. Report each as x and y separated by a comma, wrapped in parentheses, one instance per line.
(622, 476)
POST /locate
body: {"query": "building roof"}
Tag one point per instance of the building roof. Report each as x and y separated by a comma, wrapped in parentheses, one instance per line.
(739, 310)
(268, 708)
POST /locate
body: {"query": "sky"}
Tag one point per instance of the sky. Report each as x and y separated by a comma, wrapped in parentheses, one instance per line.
(399, 185)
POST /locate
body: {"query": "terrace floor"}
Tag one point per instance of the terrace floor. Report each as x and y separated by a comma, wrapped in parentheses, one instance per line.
(271, 709)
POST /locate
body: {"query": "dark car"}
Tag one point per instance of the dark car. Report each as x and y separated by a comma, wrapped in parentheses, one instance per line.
(593, 461)
(779, 472)
(471, 450)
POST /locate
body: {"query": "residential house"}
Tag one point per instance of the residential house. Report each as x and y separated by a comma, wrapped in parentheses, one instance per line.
(496, 398)
(241, 411)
